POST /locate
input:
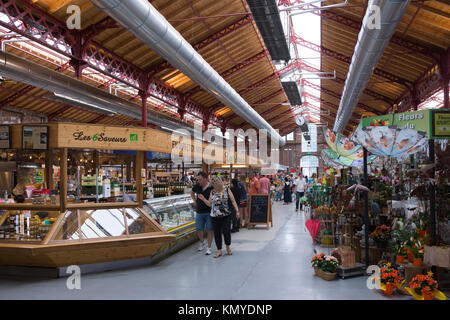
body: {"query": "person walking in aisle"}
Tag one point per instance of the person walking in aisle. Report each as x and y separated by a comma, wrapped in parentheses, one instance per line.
(287, 191)
(203, 191)
(219, 201)
(264, 185)
(236, 190)
(243, 202)
(300, 188)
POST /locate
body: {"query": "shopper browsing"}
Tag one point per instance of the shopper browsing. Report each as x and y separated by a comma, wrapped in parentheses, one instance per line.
(200, 192)
(264, 185)
(220, 200)
(287, 191)
(254, 184)
(300, 188)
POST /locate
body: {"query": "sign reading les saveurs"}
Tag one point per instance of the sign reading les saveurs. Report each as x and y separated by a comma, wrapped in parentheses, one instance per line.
(102, 137)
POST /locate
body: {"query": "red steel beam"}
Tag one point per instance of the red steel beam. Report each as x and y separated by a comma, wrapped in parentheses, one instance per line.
(343, 58)
(25, 16)
(411, 46)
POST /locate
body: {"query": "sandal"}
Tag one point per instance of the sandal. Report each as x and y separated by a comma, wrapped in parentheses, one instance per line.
(217, 255)
(229, 252)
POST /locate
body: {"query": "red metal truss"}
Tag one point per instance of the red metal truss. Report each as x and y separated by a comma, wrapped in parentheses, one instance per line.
(15, 96)
(343, 58)
(433, 79)
(32, 22)
(356, 25)
(248, 62)
(338, 96)
(207, 41)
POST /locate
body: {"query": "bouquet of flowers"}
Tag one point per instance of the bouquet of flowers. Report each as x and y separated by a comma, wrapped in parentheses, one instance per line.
(390, 276)
(325, 263)
(381, 234)
(424, 287)
(317, 260)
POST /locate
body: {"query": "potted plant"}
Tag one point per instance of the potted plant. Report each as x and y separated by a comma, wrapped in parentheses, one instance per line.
(325, 266)
(424, 287)
(381, 235)
(400, 253)
(390, 279)
(417, 252)
(317, 262)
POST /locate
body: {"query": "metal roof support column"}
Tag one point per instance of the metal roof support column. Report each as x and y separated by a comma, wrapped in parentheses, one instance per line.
(445, 73)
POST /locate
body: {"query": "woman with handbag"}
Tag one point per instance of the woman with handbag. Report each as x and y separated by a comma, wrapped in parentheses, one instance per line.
(219, 201)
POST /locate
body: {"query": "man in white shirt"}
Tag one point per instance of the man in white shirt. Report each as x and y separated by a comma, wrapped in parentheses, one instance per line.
(300, 188)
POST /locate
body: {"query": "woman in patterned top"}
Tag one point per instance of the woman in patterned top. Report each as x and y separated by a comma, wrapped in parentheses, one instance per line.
(219, 201)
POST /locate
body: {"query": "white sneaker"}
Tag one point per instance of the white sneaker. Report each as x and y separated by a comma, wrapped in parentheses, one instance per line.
(201, 247)
(208, 251)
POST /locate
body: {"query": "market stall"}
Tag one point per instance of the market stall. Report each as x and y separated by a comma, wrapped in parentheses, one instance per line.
(60, 232)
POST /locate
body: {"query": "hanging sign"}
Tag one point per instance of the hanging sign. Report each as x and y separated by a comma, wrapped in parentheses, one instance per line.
(441, 124)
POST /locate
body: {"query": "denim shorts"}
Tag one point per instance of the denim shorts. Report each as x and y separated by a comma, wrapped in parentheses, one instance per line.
(202, 219)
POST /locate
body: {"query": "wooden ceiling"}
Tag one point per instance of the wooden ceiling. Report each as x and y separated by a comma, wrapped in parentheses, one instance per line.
(240, 56)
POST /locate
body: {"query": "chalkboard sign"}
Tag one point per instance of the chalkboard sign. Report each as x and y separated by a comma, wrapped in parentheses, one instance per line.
(260, 210)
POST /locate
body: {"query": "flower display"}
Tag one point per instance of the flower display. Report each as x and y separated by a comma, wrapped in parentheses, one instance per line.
(423, 284)
(424, 287)
(381, 234)
(390, 275)
(325, 263)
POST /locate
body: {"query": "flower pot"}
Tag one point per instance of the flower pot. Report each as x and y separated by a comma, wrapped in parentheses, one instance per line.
(327, 276)
(427, 295)
(400, 259)
(417, 262)
(389, 289)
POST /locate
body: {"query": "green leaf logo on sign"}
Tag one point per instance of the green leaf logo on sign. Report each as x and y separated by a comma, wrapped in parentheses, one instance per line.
(133, 137)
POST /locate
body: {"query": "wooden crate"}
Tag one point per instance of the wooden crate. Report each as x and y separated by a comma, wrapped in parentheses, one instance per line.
(348, 257)
(375, 255)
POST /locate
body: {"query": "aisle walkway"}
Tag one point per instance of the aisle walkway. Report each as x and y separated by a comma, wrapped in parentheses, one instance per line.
(272, 264)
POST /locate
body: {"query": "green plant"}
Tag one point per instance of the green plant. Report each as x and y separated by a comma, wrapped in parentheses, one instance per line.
(417, 250)
(399, 248)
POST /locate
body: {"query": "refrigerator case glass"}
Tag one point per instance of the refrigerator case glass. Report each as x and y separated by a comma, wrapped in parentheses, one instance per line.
(171, 212)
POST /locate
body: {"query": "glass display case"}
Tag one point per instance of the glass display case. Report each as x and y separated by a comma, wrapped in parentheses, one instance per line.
(171, 212)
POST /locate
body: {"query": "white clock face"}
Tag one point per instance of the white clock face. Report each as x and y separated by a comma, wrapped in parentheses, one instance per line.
(300, 120)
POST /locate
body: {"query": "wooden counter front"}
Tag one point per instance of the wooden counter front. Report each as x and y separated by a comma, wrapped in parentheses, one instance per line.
(82, 252)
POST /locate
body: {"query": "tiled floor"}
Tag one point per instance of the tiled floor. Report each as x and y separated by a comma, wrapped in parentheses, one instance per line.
(272, 264)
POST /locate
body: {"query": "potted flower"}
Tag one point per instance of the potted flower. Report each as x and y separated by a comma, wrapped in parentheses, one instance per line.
(390, 279)
(325, 266)
(381, 235)
(317, 262)
(417, 252)
(400, 253)
(424, 287)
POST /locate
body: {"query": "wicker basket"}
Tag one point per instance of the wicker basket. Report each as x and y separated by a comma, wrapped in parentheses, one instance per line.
(316, 271)
(327, 276)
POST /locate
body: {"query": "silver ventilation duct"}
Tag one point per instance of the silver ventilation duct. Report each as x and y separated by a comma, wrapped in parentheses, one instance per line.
(78, 93)
(372, 42)
(148, 25)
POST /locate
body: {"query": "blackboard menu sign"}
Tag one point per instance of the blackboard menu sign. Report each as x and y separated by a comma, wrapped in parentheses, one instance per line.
(260, 209)
(35, 137)
(5, 137)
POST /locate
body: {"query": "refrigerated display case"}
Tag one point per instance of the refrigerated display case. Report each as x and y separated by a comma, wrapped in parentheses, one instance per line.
(173, 213)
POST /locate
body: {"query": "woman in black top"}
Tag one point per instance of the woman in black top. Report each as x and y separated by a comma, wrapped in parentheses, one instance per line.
(237, 195)
(287, 191)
